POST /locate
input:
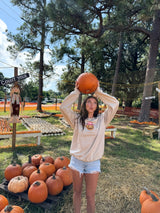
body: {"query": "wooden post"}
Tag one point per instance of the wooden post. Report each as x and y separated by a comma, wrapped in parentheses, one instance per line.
(14, 124)
(56, 104)
(5, 102)
(159, 101)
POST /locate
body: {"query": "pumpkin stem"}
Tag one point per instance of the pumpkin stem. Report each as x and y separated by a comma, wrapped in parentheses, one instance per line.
(152, 195)
(61, 158)
(37, 183)
(29, 159)
(53, 176)
(8, 208)
(14, 163)
(38, 171)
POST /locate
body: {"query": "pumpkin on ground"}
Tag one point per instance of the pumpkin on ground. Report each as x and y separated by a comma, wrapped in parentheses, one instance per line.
(29, 163)
(36, 159)
(62, 161)
(12, 170)
(151, 205)
(87, 83)
(38, 192)
(3, 202)
(47, 159)
(12, 209)
(146, 194)
(66, 175)
(27, 171)
(39, 174)
(48, 168)
(54, 184)
(18, 184)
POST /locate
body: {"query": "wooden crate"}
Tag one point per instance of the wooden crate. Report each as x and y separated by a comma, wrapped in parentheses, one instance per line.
(49, 203)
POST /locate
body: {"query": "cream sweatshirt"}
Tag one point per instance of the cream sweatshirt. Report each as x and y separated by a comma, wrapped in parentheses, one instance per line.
(88, 144)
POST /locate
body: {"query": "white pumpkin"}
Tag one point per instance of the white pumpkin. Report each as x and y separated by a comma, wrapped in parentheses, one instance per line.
(18, 184)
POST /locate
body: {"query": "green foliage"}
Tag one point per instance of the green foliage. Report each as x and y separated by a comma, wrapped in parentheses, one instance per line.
(89, 30)
(68, 78)
(3, 89)
(30, 90)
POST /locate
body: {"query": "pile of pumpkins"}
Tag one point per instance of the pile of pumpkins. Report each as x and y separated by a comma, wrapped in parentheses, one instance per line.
(6, 208)
(150, 202)
(41, 176)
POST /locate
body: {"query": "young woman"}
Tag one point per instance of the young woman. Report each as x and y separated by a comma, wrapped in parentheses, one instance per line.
(87, 145)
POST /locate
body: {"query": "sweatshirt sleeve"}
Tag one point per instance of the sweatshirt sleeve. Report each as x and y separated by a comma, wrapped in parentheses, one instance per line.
(66, 107)
(112, 105)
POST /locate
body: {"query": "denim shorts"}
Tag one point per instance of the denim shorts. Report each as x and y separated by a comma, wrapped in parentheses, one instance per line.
(85, 167)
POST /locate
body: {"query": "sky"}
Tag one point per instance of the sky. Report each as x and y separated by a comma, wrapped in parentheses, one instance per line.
(10, 20)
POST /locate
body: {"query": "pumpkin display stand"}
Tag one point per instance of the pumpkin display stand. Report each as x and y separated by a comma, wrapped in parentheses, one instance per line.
(49, 203)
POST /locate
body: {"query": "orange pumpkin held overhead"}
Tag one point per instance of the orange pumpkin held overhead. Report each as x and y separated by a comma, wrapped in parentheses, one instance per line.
(87, 83)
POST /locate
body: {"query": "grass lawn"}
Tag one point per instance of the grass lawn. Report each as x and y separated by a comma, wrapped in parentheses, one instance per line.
(130, 162)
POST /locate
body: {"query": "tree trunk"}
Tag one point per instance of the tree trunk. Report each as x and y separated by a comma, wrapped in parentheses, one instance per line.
(41, 65)
(151, 65)
(40, 90)
(82, 71)
(117, 65)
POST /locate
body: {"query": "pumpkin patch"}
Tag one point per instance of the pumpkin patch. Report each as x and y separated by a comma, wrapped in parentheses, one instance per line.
(41, 176)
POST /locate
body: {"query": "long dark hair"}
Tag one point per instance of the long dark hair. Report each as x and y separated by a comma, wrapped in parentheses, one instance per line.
(83, 114)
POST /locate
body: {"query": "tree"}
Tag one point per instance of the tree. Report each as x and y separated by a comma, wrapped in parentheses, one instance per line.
(30, 90)
(154, 35)
(32, 35)
(133, 66)
(3, 89)
(118, 63)
(93, 18)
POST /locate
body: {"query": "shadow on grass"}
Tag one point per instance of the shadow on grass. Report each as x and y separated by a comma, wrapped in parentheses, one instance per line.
(131, 144)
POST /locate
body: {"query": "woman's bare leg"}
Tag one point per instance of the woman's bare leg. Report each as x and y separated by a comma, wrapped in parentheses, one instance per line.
(77, 190)
(91, 185)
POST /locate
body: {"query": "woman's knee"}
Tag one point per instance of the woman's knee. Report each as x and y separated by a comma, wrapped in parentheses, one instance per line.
(90, 197)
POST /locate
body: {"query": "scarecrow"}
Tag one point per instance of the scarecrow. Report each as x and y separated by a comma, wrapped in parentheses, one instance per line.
(15, 104)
